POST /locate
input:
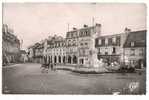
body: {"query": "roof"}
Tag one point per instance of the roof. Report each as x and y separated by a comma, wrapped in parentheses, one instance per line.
(108, 36)
(22, 51)
(138, 37)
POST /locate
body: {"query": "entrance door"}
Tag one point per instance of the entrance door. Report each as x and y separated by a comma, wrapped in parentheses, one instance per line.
(81, 61)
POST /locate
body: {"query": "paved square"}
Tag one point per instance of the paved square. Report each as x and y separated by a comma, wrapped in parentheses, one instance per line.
(28, 79)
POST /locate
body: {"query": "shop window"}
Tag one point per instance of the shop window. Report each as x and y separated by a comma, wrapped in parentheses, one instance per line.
(132, 52)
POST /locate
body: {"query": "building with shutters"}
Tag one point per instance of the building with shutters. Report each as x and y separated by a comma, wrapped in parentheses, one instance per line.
(10, 46)
(72, 50)
(135, 49)
(76, 47)
(128, 47)
(109, 47)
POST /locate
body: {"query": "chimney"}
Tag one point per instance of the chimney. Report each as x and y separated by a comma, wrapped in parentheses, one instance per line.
(85, 25)
(127, 30)
(97, 24)
(74, 28)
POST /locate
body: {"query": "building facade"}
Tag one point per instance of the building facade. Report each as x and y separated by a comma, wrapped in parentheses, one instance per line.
(85, 43)
(128, 47)
(109, 48)
(24, 56)
(10, 46)
(55, 50)
(38, 52)
(77, 47)
(72, 50)
(135, 49)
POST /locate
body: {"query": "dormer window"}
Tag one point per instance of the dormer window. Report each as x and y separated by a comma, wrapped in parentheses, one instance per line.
(106, 41)
(114, 40)
(99, 41)
(132, 44)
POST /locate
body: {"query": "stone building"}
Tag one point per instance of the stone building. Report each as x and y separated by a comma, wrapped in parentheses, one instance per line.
(72, 46)
(10, 46)
(72, 50)
(55, 50)
(24, 56)
(86, 46)
(135, 49)
(85, 43)
(128, 47)
(30, 53)
(38, 52)
(109, 47)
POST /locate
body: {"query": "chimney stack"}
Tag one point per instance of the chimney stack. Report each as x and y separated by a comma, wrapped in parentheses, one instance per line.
(74, 28)
(127, 30)
(85, 25)
(97, 24)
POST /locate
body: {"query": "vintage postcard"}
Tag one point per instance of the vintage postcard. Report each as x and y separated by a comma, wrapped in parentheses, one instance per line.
(74, 48)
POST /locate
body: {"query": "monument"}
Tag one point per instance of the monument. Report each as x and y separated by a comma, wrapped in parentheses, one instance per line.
(94, 61)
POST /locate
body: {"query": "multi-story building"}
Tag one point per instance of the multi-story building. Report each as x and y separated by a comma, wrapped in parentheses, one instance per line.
(109, 47)
(128, 47)
(30, 53)
(55, 50)
(135, 49)
(10, 46)
(24, 56)
(74, 49)
(85, 43)
(38, 52)
(78, 47)
(72, 46)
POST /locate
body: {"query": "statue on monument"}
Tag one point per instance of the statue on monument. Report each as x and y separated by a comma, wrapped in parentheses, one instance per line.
(94, 61)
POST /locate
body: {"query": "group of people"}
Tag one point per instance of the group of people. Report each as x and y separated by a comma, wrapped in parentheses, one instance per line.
(45, 66)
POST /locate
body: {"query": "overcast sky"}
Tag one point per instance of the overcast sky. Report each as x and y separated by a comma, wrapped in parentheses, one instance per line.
(33, 22)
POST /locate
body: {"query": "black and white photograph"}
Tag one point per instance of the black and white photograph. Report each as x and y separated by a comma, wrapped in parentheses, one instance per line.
(74, 48)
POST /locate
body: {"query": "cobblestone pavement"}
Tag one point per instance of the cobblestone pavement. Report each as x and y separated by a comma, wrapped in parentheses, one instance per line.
(28, 79)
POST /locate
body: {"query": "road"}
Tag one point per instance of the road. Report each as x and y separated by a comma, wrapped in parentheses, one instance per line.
(28, 79)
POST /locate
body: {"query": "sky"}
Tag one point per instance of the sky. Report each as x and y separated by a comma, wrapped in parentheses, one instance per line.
(33, 22)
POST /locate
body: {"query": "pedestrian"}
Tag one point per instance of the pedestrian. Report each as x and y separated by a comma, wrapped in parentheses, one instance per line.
(51, 66)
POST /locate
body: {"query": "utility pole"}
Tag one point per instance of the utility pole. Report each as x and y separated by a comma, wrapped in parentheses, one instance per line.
(68, 27)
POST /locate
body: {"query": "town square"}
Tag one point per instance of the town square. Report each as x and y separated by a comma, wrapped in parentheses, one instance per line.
(86, 49)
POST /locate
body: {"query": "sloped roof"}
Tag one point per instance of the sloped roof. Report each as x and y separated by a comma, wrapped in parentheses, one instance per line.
(138, 37)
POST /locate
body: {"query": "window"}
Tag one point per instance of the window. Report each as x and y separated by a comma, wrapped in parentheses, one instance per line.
(141, 52)
(81, 33)
(86, 33)
(132, 52)
(68, 35)
(86, 43)
(99, 41)
(71, 35)
(81, 44)
(106, 51)
(132, 44)
(106, 41)
(114, 50)
(98, 50)
(114, 40)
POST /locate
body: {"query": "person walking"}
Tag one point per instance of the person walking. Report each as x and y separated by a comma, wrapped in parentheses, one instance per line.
(51, 66)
